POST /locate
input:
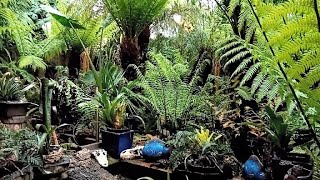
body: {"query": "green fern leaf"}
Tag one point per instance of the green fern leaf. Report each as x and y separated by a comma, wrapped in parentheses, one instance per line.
(33, 62)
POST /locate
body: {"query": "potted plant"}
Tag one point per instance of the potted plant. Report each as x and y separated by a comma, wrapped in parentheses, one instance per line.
(115, 137)
(19, 153)
(200, 154)
(113, 100)
(281, 134)
(10, 98)
(13, 107)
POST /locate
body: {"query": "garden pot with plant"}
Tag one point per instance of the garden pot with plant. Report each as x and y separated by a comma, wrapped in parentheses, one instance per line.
(116, 137)
(281, 135)
(13, 107)
(205, 159)
(112, 101)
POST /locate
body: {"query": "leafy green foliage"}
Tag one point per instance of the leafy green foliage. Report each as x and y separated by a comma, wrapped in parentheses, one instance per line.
(285, 25)
(181, 143)
(22, 144)
(187, 142)
(66, 97)
(164, 87)
(33, 62)
(314, 153)
(63, 19)
(115, 94)
(172, 98)
(280, 133)
(92, 22)
(291, 32)
(10, 89)
(113, 109)
(133, 15)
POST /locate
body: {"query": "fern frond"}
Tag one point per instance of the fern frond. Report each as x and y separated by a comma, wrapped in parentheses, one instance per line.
(264, 89)
(242, 66)
(250, 73)
(257, 81)
(244, 92)
(32, 61)
(234, 51)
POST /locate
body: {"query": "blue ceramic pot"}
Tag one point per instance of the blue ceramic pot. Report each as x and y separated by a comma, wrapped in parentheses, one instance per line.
(114, 141)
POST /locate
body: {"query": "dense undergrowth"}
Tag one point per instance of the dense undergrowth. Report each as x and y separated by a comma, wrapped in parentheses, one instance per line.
(177, 65)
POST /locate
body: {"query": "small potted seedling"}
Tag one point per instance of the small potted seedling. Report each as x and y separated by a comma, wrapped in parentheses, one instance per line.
(207, 159)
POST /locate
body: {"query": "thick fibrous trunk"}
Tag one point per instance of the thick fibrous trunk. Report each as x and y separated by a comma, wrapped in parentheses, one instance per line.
(129, 54)
(74, 62)
(143, 42)
(133, 50)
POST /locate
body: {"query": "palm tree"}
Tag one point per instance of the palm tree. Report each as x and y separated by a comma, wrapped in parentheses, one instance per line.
(134, 18)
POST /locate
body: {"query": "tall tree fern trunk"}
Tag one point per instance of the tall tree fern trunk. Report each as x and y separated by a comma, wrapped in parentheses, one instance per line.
(74, 62)
(133, 50)
(129, 54)
(143, 41)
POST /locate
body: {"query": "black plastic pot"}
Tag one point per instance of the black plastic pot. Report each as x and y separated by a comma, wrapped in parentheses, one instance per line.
(114, 141)
(26, 173)
(281, 166)
(194, 171)
(200, 169)
(181, 173)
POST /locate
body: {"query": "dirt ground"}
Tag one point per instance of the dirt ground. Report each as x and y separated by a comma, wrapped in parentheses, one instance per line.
(83, 166)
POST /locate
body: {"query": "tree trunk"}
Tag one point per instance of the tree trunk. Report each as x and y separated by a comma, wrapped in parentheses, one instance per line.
(133, 50)
(74, 63)
(143, 42)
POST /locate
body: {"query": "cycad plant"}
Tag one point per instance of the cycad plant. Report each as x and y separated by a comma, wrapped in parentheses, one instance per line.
(134, 18)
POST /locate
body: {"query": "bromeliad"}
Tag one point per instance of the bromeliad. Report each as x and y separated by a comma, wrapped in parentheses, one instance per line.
(204, 137)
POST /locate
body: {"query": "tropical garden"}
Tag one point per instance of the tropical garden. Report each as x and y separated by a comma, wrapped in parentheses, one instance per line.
(162, 89)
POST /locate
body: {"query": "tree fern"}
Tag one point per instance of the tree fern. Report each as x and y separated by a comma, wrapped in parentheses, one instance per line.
(168, 93)
(294, 41)
(33, 62)
(133, 15)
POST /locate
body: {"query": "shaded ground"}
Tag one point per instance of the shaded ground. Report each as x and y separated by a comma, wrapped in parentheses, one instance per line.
(84, 167)
(81, 166)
